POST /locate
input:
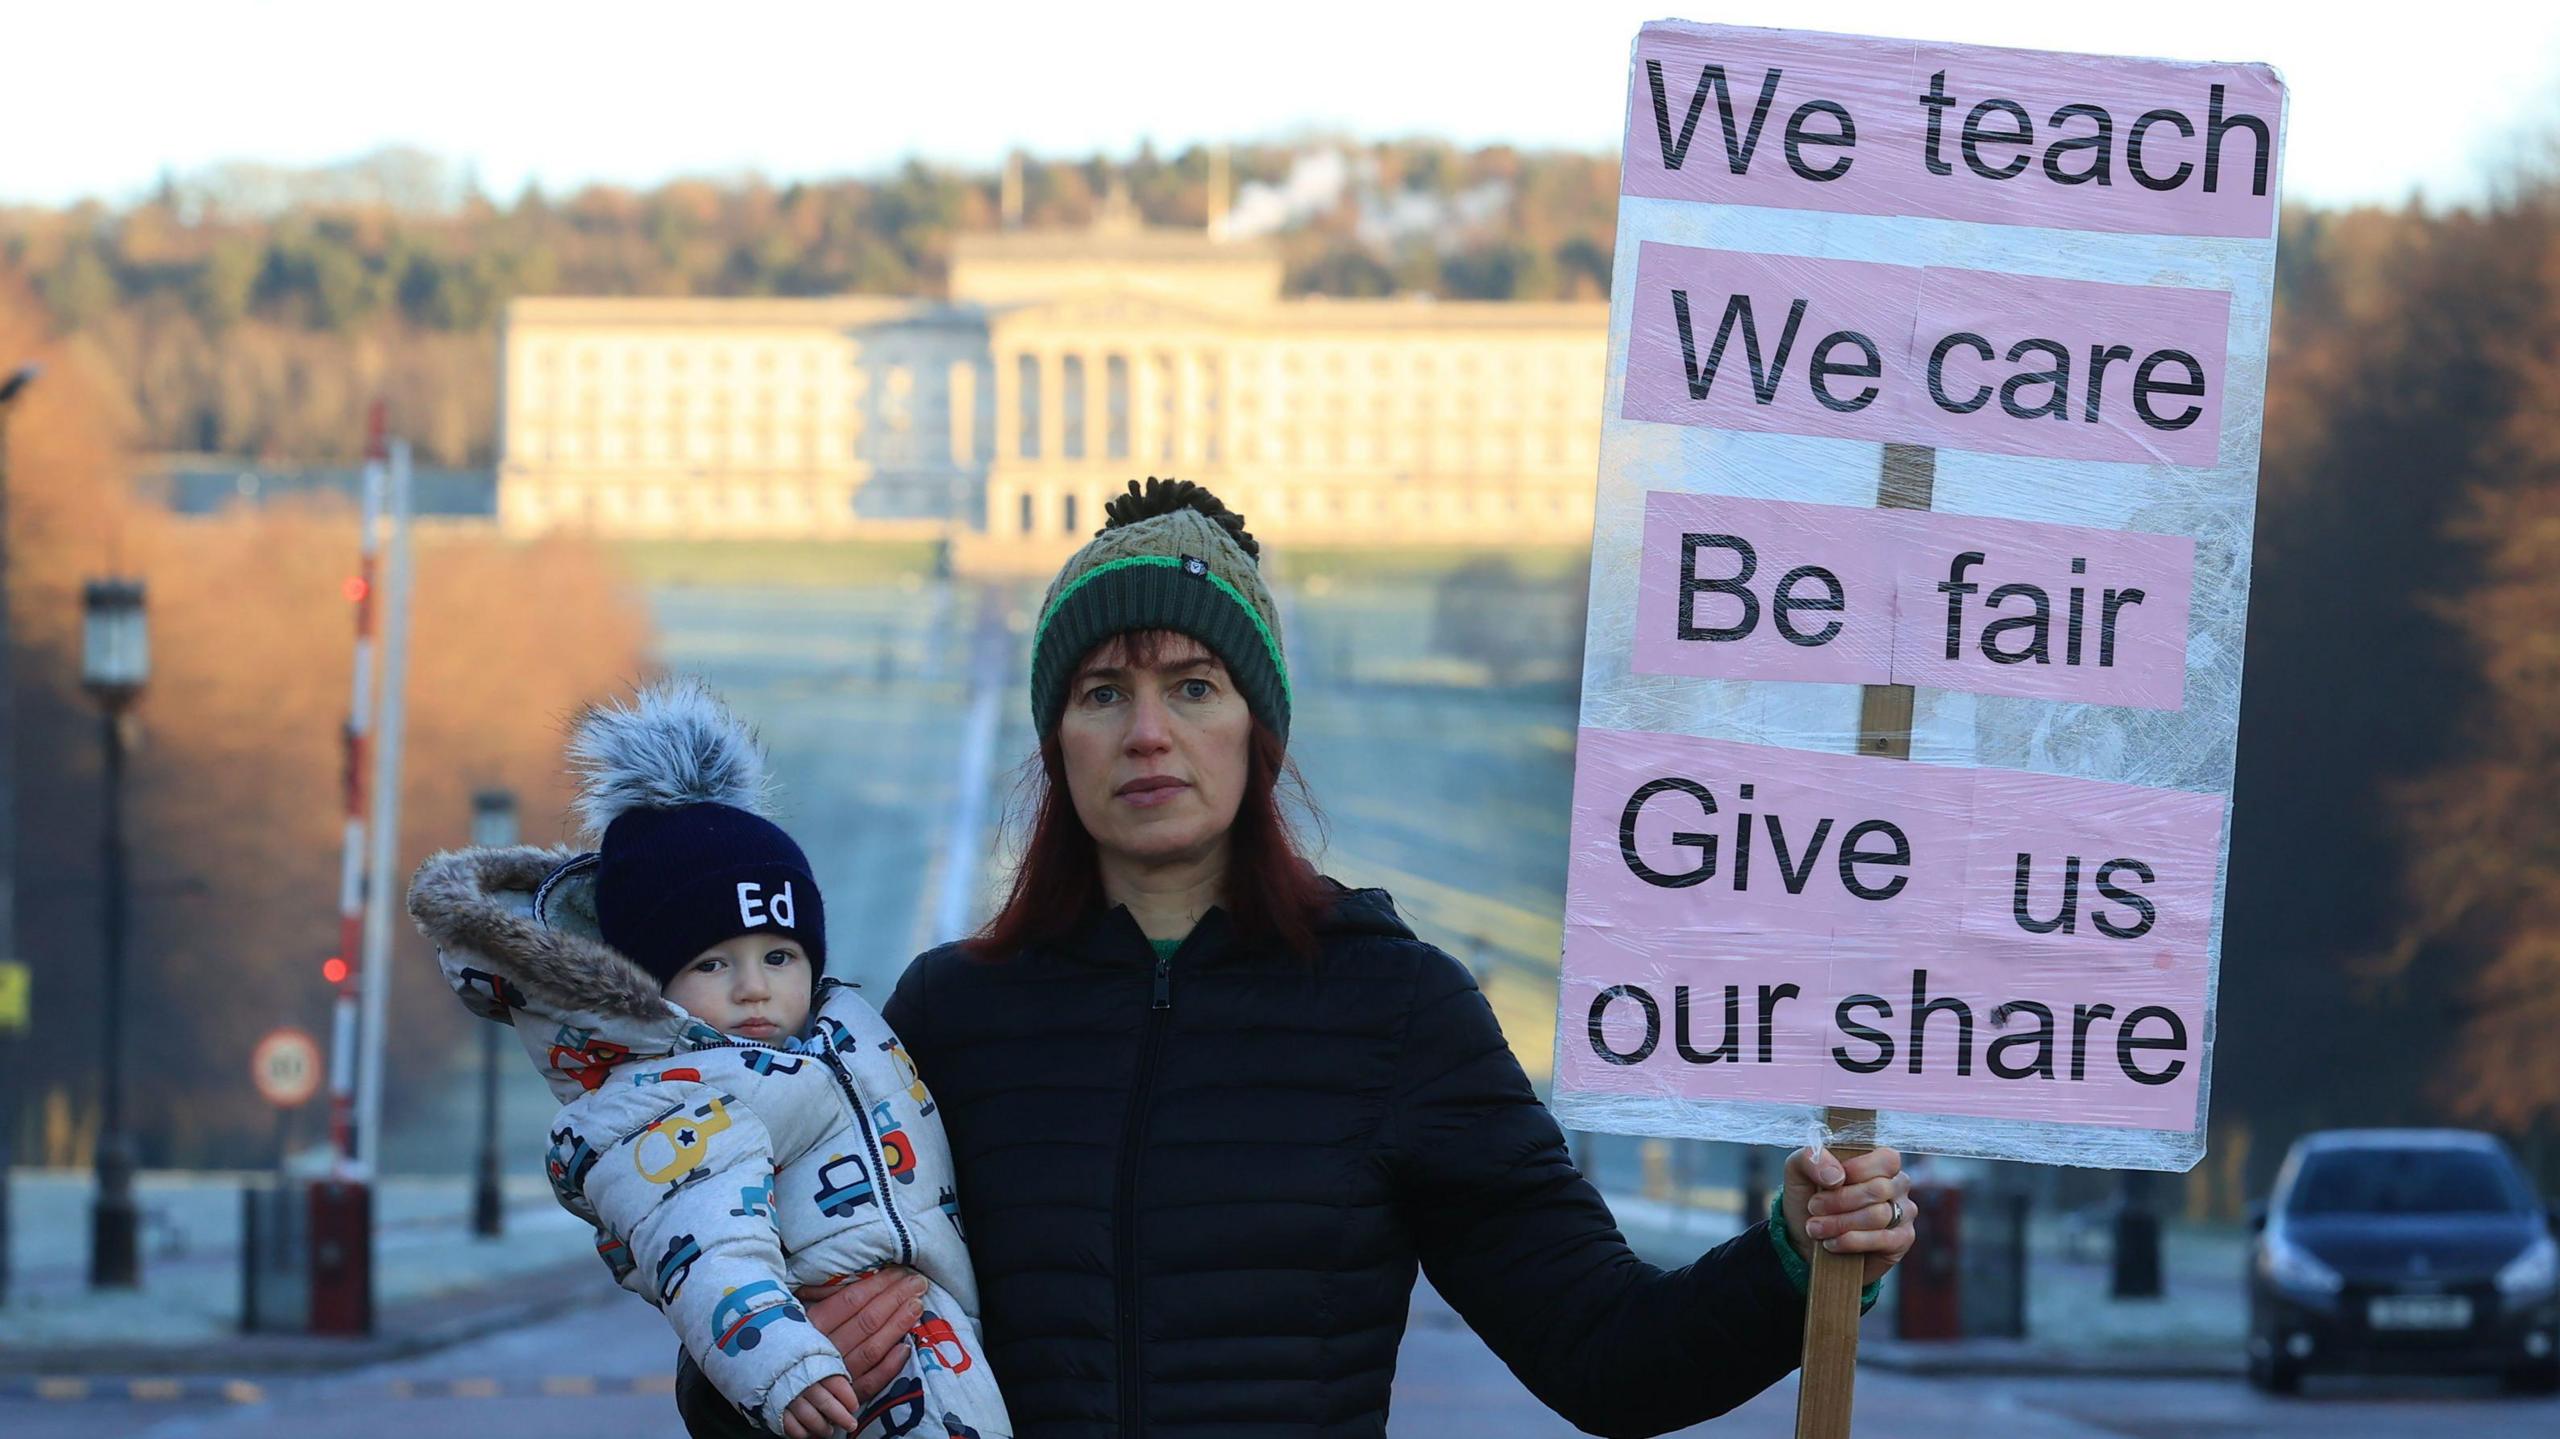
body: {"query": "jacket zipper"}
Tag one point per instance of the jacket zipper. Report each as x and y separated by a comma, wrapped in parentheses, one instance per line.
(1125, 1209)
(880, 1180)
(870, 1144)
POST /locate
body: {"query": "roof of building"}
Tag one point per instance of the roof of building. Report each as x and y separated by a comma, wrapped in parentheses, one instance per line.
(723, 311)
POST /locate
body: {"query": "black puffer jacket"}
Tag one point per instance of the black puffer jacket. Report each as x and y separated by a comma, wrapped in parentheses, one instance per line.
(1196, 1193)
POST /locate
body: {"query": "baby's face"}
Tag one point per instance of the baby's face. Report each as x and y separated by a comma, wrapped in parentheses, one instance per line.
(753, 987)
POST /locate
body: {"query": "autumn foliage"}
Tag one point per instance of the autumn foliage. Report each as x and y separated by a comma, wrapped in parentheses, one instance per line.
(234, 802)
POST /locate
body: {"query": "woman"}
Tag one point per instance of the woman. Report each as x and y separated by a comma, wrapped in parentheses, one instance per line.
(1212, 1111)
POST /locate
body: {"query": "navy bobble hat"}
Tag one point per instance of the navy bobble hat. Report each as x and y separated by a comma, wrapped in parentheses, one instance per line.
(674, 784)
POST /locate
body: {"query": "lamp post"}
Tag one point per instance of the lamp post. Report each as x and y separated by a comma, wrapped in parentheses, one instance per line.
(115, 660)
(12, 970)
(493, 826)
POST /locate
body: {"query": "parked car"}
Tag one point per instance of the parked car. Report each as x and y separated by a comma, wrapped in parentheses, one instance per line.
(2404, 1250)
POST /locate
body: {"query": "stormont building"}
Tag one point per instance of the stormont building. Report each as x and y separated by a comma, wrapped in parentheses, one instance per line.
(1060, 365)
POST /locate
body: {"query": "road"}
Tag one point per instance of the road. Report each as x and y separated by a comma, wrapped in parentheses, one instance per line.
(604, 1369)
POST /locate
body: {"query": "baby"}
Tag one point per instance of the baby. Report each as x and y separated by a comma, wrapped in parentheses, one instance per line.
(734, 1126)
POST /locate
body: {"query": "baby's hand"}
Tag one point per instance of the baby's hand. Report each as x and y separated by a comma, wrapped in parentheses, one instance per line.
(821, 1409)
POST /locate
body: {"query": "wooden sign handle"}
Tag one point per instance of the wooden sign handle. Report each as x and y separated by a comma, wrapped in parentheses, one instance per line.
(1829, 1382)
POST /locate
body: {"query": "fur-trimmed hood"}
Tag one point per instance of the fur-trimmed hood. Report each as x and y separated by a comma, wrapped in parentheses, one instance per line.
(515, 934)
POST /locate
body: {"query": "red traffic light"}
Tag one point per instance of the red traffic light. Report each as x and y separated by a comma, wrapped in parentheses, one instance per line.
(334, 970)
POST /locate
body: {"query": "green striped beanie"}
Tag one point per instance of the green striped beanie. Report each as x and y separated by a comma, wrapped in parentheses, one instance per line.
(1170, 556)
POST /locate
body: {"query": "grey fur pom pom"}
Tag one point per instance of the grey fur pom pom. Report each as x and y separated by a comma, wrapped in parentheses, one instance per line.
(674, 744)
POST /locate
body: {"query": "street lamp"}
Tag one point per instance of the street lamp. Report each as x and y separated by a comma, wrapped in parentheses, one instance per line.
(493, 826)
(13, 974)
(115, 660)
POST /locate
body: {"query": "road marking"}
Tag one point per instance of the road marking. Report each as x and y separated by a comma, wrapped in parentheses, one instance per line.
(63, 1388)
(990, 660)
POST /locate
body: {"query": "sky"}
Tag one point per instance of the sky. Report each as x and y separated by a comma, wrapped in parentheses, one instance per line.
(104, 98)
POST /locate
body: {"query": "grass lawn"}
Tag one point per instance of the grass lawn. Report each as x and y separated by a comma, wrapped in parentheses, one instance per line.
(791, 563)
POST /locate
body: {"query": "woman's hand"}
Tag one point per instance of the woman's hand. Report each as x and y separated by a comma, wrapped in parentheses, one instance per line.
(822, 1409)
(868, 1321)
(1861, 1205)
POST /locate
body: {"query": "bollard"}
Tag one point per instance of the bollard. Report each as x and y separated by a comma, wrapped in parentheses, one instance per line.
(341, 1220)
(1929, 1286)
(275, 1280)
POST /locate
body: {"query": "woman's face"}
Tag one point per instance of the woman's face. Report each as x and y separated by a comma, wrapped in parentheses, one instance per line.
(1156, 754)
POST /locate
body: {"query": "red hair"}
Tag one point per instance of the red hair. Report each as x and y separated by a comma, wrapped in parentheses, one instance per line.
(1271, 889)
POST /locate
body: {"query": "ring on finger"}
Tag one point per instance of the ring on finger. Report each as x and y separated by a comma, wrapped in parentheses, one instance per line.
(1896, 1221)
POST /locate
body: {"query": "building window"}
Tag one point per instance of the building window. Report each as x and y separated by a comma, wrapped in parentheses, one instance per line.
(1026, 514)
(1067, 513)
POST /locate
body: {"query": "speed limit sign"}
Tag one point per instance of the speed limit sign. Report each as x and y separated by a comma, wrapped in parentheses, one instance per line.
(286, 1065)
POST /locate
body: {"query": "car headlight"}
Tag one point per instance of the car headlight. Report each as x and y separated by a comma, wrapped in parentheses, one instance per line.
(2289, 1266)
(2533, 1274)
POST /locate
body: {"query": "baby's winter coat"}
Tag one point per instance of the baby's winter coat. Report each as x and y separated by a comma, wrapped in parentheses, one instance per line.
(721, 1174)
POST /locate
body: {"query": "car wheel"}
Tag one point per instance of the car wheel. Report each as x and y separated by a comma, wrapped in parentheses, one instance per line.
(2275, 1374)
(2542, 1378)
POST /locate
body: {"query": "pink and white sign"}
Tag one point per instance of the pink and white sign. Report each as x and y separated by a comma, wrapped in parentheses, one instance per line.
(1672, 833)
(2028, 294)
(1966, 359)
(1772, 590)
(1764, 589)
(2058, 612)
(1803, 121)
(1808, 1019)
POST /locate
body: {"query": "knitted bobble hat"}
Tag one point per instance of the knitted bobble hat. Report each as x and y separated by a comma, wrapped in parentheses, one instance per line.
(1170, 556)
(673, 785)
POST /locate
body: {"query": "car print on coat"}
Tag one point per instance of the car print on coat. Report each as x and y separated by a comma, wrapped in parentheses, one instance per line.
(568, 1164)
(896, 1150)
(937, 1343)
(898, 1408)
(616, 1254)
(756, 1200)
(844, 1186)
(949, 1199)
(490, 996)
(956, 1429)
(675, 1264)
(772, 1061)
(578, 1054)
(737, 1325)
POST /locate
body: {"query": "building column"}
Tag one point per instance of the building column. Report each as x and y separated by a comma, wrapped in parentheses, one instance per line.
(1053, 395)
(960, 411)
(1097, 407)
(1217, 433)
(1144, 398)
(1008, 367)
(1190, 416)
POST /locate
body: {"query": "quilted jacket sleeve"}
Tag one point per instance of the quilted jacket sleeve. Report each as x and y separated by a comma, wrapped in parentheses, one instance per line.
(682, 1185)
(1524, 1248)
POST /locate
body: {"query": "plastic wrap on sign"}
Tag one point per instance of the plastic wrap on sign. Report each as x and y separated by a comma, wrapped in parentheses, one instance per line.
(1919, 577)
